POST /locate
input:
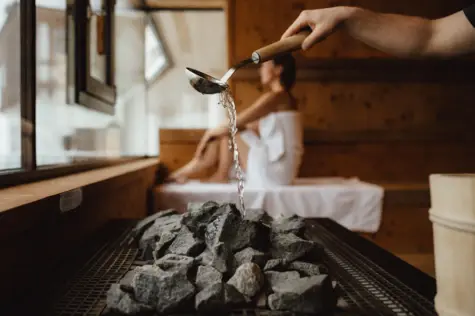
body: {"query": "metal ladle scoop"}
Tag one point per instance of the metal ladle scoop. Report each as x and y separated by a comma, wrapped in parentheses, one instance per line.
(207, 84)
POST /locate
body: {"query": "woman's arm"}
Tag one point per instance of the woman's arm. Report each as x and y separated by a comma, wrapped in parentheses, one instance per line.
(266, 104)
(392, 33)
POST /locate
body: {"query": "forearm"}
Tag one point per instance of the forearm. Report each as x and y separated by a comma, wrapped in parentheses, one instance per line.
(391, 33)
(409, 36)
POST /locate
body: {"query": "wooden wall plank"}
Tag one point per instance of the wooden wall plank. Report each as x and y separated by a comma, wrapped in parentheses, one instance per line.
(354, 106)
(383, 162)
(186, 4)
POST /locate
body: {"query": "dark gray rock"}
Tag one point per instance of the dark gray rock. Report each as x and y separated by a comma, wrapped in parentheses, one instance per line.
(223, 227)
(123, 303)
(218, 298)
(293, 224)
(198, 213)
(162, 245)
(219, 257)
(175, 293)
(186, 244)
(145, 284)
(237, 233)
(306, 295)
(276, 279)
(166, 291)
(307, 269)
(222, 258)
(248, 279)
(145, 223)
(275, 264)
(128, 277)
(172, 262)
(290, 247)
(206, 276)
(254, 215)
(161, 225)
(250, 255)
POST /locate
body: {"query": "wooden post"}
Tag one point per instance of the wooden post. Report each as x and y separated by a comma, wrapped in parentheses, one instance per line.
(453, 219)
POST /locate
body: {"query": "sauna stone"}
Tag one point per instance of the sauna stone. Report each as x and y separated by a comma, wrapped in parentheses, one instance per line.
(219, 257)
(212, 259)
(307, 269)
(248, 279)
(275, 278)
(186, 244)
(218, 297)
(149, 220)
(305, 295)
(294, 224)
(172, 262)
(161, 225)
(198, 213)
(250, 255)
(163, 243)
(290, 247)
(230, 228)
(122, 302)
(207, 276)
(166, 291)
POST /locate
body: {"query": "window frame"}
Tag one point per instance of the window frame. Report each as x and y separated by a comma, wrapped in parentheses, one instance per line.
(150, 21)
(90, 92)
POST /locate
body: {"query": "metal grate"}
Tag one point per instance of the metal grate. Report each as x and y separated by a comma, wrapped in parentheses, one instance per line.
(85, 292)
(366, 288)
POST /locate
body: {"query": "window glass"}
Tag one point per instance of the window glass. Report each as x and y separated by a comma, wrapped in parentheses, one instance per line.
(68, 132)
(155, 58)
(194, 39)
(10, 113)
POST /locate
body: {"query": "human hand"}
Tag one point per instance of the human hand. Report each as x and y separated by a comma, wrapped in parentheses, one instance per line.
(323, 22)
(210, 136)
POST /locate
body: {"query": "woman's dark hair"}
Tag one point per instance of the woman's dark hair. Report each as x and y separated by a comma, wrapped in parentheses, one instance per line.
(289, 70)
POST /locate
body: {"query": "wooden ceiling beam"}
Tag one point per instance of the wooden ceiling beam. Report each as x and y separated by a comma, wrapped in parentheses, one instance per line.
(186, 4)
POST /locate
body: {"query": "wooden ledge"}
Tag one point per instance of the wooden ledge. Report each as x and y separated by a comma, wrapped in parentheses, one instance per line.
(13, 197)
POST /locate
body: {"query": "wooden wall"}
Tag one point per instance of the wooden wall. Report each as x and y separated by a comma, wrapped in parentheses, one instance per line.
(33, 237)
(366, 114)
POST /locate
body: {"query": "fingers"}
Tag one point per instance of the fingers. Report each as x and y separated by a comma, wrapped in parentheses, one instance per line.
(318, 35)
(301, 22)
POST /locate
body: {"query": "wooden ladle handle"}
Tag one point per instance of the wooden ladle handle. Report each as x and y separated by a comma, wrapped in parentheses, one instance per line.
(287, 45)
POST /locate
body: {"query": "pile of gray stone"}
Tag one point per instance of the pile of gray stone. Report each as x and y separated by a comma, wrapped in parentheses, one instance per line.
(212, 260)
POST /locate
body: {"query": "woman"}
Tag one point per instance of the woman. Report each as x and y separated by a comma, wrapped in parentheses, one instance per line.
(270, 138)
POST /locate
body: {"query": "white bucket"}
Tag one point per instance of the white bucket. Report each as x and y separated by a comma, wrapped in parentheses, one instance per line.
(453, 220)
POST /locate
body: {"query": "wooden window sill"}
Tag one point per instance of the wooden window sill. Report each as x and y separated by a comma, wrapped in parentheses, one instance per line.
(17, 196)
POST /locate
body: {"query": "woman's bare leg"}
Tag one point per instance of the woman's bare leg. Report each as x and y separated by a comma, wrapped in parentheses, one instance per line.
(196, 165)
(226, 159)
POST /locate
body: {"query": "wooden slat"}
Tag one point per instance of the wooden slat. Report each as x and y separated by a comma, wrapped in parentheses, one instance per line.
(315, 136)
(186, 4)
(375, 69)
(13, 197)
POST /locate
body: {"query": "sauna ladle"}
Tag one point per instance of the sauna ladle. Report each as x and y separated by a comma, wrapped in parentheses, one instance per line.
(207, 84)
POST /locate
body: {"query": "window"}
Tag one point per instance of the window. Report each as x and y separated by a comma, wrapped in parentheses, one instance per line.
(192, 38)
(156, 58)
(10, 82)
(43, 126)
(68, 131)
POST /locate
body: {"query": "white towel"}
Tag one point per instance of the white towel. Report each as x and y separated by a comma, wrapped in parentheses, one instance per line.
(274, 157)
